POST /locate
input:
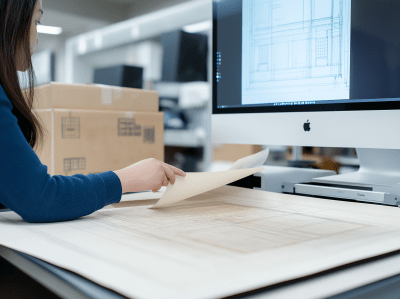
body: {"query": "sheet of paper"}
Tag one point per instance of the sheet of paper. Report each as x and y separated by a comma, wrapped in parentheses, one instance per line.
(216, 244)
(196, 183)
(252, 161)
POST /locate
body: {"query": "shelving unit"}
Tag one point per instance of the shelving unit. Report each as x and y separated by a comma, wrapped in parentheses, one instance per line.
(197, 134)
(135, 42)
(183, 138)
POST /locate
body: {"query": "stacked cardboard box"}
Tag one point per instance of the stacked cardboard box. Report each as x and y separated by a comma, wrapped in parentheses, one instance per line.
(96, 128)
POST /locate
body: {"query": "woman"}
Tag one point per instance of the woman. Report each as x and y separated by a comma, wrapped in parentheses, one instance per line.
(25, 186)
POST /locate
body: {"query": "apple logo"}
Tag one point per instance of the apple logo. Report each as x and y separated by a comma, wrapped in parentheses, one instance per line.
(306, 126)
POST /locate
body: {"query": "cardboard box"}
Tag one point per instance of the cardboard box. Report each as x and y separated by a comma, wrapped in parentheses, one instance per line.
(93, 141)
(94, 97)
(233, 152)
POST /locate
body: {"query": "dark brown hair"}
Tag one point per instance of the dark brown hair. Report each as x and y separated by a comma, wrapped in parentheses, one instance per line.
(15, 23)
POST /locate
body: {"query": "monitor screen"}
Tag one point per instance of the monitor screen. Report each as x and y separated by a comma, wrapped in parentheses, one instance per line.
(305, 55)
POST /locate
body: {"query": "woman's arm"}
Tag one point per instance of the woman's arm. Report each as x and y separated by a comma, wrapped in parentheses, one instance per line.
(27, 188)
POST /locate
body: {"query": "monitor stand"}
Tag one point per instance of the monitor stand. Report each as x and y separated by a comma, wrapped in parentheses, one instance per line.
(376, 181)
(377, 167)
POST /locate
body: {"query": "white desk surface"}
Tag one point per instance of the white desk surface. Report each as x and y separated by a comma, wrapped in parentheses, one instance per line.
(292, 237)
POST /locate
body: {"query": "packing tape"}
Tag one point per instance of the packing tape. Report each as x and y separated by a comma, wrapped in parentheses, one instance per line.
(128, 114)
(117, 92)
(106, 95)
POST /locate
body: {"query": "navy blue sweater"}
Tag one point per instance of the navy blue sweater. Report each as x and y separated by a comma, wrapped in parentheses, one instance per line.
(27, 188)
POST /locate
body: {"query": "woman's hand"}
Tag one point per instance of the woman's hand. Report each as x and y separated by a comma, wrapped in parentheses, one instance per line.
(149, 174)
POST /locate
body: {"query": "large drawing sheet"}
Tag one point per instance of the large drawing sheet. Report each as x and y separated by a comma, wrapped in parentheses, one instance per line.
(215, 244)
(255, 160)
(196, 183)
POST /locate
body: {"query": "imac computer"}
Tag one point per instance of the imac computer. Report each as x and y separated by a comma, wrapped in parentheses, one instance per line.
(320, 73)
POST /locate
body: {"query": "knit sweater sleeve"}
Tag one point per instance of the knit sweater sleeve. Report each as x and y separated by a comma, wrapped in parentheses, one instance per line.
(27, 188)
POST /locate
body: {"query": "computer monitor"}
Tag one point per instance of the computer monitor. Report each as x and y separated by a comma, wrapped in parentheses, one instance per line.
(119, 75)
(323, 73)
(184, 56)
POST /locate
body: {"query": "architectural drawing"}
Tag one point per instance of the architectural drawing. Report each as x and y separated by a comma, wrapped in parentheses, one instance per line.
(295, 47)
(216, 244)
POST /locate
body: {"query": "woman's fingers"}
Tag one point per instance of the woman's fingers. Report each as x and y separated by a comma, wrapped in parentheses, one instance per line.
(169, 174)
(174, 169)
(165, 181)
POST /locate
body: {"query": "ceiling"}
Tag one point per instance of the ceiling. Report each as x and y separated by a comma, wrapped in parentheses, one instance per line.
(79, 16)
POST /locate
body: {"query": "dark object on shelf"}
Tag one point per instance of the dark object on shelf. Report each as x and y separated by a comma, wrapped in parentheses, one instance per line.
(120, 75)
(174, 117)
(185, 158)
(168, 103)
(188, 163)
(184, 56)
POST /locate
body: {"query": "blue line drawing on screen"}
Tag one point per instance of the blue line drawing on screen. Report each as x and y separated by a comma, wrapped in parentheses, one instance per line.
(295, 50)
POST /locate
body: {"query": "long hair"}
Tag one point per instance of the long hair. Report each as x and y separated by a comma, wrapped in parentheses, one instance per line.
(15, 22)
